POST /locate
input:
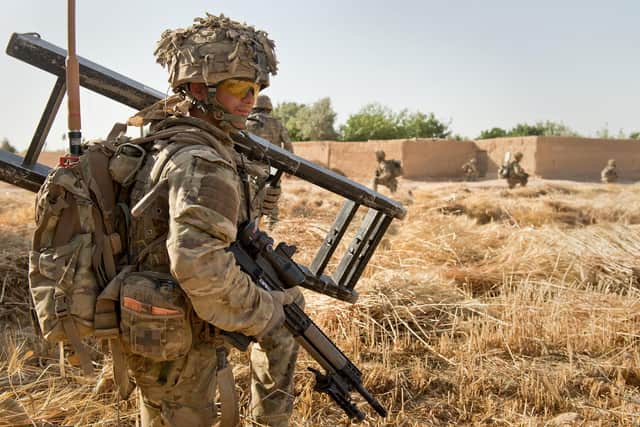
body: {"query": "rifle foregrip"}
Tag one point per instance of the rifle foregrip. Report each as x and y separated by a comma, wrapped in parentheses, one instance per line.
(338, 393)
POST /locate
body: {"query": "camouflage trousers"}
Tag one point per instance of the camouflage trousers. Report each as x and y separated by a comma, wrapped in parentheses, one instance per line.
(515, 180)
(182, 392)
(390, 183)
(273, 217)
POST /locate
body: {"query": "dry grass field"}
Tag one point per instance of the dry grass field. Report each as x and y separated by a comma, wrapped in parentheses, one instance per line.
(483, 307)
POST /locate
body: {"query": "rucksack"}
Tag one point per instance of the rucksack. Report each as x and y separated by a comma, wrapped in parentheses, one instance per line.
(394, 167)
(504, 171)
(79, 240)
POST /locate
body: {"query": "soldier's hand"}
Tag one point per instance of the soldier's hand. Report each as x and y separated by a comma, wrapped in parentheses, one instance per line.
(270, 201)
(280, 299)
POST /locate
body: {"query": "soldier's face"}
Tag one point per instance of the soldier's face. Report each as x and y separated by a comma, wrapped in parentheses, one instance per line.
(234, 103)
(228, 98)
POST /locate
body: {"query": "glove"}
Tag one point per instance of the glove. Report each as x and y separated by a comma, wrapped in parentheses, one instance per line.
(270, 200)
(280, 299)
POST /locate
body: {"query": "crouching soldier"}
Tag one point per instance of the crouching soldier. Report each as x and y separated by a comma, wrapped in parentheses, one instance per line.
(609, 174)
(512, 171)
(470, 170)
(387, 172)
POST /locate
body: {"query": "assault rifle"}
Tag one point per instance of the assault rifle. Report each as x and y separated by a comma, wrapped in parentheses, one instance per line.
(274, 270)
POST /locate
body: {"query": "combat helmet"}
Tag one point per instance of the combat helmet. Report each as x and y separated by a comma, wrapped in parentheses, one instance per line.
(263, 103)
(611, 163)
(214, 49)
(380, 155)
(518, 156)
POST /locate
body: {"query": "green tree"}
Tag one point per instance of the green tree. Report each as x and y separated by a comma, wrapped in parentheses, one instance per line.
(421, 125)
(373, 121)
(287, 111)
(316, 121)
(550, 128)
(525, 129)
(492, 133)
(542, 128)
(634, 135)
(6, 145)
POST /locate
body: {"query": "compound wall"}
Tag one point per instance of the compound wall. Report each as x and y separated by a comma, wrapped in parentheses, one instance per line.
(421, 158)
(435, 158)
(583, 159)
(497, 148)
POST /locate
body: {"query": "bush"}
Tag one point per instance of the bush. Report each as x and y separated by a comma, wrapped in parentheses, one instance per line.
(6, 145)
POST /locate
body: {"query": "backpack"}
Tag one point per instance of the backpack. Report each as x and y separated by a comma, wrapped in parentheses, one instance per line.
(504, 171)
(80, 241)
(394, 167)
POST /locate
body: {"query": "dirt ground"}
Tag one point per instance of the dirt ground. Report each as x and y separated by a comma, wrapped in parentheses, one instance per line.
(484, 306)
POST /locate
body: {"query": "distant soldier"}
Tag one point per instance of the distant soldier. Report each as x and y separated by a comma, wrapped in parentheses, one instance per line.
(386, 172)
(470, 170)
(609, 173)
(512, 171)
(263, 124)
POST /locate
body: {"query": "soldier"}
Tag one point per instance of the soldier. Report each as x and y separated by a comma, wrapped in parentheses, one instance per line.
(387, 172)
(216, 67)
(513, 172)
(470, 170)
(263, 124)
(609, 173)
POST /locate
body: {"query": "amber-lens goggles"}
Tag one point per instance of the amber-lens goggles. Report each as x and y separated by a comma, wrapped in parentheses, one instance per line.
(239, 88)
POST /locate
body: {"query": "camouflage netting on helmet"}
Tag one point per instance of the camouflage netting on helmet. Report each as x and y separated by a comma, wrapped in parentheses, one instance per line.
(216, 48)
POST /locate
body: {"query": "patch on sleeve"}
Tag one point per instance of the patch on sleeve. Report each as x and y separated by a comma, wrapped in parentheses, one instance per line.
(219, 195)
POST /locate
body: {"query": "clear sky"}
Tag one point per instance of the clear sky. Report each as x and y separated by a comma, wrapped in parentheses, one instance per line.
(478, 63)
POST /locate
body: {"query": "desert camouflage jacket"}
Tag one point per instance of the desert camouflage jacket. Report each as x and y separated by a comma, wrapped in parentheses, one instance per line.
(609, 174)
(269, 128)
(516, 170)
(193, 220)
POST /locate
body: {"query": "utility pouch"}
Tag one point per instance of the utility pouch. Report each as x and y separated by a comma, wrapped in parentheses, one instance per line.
(64, 288)
(155, 321)
(126, 162)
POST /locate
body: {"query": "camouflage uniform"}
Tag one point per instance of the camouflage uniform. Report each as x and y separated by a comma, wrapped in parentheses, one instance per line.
(187, 227)
(263, 124)
(386, 172)
(515, 173)
(609, 173)
(470, 170)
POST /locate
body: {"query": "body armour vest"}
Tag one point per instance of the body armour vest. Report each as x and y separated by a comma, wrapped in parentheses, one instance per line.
(148, 232)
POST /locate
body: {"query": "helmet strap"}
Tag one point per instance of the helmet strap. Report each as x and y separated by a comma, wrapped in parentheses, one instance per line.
(213, 107)
(219, 113)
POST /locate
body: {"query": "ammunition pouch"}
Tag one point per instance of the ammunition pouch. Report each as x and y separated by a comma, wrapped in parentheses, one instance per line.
(155, 317)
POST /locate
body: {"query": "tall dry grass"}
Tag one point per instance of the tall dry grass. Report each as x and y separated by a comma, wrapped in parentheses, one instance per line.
(483, 307)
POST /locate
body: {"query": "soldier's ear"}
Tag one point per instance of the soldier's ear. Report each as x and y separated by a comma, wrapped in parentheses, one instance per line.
(199, 91)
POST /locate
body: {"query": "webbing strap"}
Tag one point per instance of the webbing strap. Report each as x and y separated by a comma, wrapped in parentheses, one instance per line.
(143, 253)
(120, 373)
(244, 177)
(230, 416)
(68, 225)
(76, 343)
(107, 326)
(101, 184)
